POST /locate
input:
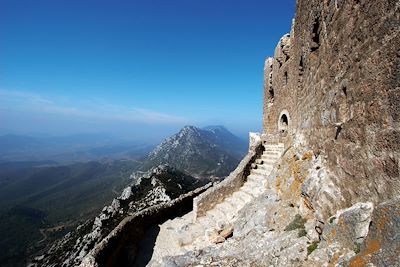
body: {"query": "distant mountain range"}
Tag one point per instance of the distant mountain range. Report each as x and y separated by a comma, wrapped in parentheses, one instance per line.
(212, 151)
(68, 149)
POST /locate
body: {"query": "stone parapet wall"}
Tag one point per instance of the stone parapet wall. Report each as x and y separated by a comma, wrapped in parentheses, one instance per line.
(120, 246)
(216, 194)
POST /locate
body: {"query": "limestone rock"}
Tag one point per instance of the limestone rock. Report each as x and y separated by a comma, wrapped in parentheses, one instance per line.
(382, 245)
(342, 235)
(216, 239)
(220, 233)
(226, 232)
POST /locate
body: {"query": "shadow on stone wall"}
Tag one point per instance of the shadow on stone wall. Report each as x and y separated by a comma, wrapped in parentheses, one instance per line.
(131, 243)
(146, 246)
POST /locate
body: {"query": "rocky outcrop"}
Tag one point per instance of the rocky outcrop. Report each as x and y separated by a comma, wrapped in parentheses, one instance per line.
(381, 246)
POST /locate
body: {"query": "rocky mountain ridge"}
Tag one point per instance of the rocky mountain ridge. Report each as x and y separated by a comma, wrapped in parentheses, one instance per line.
(209, 152)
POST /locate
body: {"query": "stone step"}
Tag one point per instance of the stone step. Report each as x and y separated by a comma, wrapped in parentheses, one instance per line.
(260, 180)
(187, 219)
(249, 191)
(280, 145)
(188, 216)
(256, 178)
(179, 223)
(252, 183)
(206, 222)
(228, 209)
(270, 162)
(235, 202)
(267, 167)
(278, 150)
(259, 161)
(253, 190)
(264, 165)
(245, 197)
(270, 153)
(197, 230)
(267, 152)
(185, 238)
(169, 222)
(217, 215)
(269, 158)
(261, 172)
(177, 250)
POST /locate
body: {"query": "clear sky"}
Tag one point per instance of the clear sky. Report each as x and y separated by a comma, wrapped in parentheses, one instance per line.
(140, 69)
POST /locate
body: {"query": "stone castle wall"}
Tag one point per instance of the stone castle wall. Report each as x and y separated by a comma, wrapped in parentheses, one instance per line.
(336, 77)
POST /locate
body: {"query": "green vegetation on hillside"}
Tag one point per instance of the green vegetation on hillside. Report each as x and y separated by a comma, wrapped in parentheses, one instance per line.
(39, 204)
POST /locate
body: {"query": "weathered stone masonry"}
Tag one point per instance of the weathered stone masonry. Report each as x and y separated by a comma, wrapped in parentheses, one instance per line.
(335, 79)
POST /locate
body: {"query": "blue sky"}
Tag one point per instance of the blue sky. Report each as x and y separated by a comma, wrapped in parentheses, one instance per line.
(138, 69)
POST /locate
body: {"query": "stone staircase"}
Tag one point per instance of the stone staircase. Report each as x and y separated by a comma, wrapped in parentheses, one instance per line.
(182, 234)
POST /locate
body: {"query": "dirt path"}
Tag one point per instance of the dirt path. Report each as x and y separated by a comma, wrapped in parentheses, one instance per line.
(43, 233)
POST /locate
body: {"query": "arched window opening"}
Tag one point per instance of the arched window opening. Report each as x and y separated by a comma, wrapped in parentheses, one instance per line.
(283, 122)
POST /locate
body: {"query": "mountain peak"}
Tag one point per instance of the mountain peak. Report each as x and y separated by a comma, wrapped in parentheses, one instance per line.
(216, 128)
(213, 151)
(189, 128)
(188, 132)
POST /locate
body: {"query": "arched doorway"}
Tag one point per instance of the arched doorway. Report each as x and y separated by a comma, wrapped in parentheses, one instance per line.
(283, 123)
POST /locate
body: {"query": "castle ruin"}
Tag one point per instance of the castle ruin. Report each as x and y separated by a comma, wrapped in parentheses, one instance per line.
(333, 87)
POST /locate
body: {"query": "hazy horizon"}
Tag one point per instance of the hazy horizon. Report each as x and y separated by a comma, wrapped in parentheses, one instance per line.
(139, 70)
(120, 137)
